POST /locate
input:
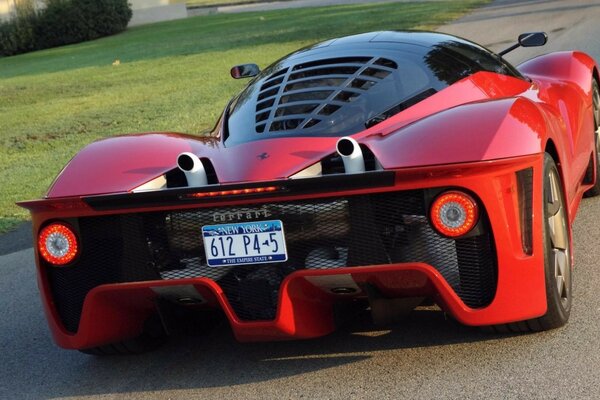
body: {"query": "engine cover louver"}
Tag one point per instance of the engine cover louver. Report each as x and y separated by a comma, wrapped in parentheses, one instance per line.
(300, 97)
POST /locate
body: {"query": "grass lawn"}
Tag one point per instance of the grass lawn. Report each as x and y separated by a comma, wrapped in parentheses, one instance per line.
(172, 76)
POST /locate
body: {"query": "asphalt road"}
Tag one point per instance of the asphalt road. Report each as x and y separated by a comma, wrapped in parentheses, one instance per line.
(424, 357)
(279, 5)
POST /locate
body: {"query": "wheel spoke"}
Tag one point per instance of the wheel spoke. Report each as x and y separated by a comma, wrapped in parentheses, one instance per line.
(560, 286)
(561, 272)
(558, 232)
(552, 195)
(556, 221)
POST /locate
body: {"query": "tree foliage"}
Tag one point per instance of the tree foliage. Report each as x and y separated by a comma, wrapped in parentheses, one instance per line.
(61, 22)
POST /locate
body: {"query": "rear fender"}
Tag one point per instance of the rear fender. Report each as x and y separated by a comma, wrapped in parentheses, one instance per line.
(482, 131)
(571, 66)
(564, 81)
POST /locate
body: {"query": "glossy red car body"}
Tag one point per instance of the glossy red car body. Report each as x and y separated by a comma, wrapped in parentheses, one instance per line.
(476, 134)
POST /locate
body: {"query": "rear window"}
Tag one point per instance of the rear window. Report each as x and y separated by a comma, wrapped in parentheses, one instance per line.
(344, 95)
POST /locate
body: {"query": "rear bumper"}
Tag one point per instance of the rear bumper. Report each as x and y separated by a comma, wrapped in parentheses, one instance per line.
(116, 311)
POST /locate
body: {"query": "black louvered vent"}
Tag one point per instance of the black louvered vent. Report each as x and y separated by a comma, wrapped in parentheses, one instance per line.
(300, 97)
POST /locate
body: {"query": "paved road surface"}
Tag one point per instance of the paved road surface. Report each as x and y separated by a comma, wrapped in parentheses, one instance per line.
(570, 24)
(281, 5)
(426, 357)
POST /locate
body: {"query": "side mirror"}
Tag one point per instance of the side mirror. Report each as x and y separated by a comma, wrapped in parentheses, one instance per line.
(533, 39)
(244, 71)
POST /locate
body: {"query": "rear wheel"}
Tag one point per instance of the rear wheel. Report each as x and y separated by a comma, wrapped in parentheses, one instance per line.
(557, 258)
(595, 190)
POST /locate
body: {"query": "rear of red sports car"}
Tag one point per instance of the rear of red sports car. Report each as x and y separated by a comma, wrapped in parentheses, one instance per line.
(382, 170)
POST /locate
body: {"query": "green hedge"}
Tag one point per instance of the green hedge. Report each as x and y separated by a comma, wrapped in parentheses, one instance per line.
(63, 22)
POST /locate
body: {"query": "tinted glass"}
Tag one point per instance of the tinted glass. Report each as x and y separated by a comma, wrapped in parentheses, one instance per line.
(345, 94)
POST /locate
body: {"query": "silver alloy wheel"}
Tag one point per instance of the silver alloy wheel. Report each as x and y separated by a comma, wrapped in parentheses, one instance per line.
(557, 230)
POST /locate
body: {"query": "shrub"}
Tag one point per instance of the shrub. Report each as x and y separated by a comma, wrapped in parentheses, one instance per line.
(18, 34)
(63, 22)
(74, 21)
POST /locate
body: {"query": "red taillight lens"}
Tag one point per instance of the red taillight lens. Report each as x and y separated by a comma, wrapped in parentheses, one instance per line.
(57, 244)
(454, 213)
(234, 192)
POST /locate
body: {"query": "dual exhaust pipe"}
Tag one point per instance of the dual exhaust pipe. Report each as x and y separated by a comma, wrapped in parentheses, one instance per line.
(194, 170)
(348, 149)
(352, 155)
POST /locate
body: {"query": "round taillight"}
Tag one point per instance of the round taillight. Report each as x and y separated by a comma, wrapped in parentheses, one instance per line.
(57, 244)
(454, 213)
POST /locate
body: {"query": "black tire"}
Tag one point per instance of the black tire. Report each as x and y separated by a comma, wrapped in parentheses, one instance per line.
(154, 336)
(595, 190)
(557, 260)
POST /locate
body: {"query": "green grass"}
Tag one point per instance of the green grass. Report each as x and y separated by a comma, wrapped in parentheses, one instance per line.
(172, 76)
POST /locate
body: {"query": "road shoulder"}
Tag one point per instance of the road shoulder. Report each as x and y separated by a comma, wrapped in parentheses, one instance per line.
(16, 240)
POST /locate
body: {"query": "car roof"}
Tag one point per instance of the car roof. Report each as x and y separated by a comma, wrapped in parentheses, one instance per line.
(388, 40)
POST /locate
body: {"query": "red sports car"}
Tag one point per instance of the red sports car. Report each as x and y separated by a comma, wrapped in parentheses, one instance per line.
(378, 171)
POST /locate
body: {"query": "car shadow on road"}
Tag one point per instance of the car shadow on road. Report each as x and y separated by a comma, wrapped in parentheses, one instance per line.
(216, 360)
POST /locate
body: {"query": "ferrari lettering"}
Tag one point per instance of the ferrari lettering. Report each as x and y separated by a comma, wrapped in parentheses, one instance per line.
(240, 215)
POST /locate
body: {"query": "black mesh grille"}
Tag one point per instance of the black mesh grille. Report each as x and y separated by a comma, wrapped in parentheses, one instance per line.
(320, 234)
(112, 250)
(299, 97)
(525, 182)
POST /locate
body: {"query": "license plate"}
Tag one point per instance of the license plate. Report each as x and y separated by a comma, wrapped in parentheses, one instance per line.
(244, 243)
